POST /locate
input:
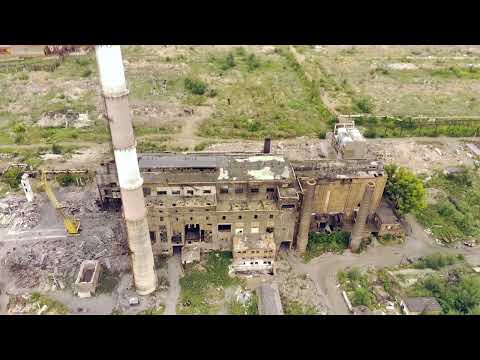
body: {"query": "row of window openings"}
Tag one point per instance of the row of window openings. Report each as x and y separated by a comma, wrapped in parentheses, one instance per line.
(256, 263)
(224, 190)
(255, 251)
(147, 192)
(223, 217)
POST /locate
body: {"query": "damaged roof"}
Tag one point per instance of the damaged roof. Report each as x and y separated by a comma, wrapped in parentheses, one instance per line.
(224, 167)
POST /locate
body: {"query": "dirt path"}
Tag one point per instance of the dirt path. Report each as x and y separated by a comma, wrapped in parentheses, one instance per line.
(174, 272)
(324, 269)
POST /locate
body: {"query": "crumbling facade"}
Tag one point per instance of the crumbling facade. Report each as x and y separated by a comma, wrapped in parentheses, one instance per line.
(250, 204)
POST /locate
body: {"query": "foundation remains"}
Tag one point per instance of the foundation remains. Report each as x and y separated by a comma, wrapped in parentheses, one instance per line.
(87, 279)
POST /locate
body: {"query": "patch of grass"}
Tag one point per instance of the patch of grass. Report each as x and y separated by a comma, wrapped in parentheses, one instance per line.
(158, 310)
(437, 261)
(54, 307)
(357, 287)
(107, 282)
(203, 145)
(458, 297)
(12, 177)
(298, 308)
(116, 311)
(456, 216)
(199, 293)
(318, 244)
(146, 146)
(70, 179)
(249, 308)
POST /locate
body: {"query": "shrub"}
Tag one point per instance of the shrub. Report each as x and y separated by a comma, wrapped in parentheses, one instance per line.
(404, 189)
(23, 76)
(240, 51)
(12, 177)
(228, 63)
(437, 261)
(364, 105)
(362, 296)
(252, 62)
(86, 73)
(195, 86)
(57, 149)
(322, 134)
(318, 244)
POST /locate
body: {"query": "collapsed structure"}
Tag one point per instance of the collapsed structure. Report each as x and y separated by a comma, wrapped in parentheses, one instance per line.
(252, 204)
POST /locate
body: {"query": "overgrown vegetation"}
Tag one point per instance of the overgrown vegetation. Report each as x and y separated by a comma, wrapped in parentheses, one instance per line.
(203, 286)
(458, 294)
(319, 243)
(437, 261)
(384, 127)
(248, 308)
(12, 177)
(53, 307)
(456, 214)
(357, 287)
(157, 310)
(404, 189)
(71, 179)
(298, 308)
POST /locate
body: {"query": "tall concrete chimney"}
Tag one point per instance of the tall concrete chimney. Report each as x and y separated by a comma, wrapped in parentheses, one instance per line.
(359, 226)
(115, 93)
(305, 215)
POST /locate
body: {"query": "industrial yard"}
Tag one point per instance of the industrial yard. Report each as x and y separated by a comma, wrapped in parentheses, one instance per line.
(253, 193)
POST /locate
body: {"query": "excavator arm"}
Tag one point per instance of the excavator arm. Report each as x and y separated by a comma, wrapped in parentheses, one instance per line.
(71, 225)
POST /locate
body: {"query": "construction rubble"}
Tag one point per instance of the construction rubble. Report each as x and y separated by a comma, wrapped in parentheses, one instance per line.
(17, 213)
(50, 264)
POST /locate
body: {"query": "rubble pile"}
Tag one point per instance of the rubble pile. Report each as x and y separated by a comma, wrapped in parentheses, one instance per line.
(50, 264)
(64, 118)
(18, 213)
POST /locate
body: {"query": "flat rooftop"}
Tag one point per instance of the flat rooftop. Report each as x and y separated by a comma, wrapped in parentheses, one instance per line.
(209, 168)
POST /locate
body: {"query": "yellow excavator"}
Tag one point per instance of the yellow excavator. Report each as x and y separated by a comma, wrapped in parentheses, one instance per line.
(71, 225)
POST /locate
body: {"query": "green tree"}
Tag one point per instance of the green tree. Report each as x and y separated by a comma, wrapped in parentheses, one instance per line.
(404, 189)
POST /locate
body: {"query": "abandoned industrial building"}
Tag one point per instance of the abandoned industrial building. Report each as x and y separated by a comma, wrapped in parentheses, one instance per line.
(253, 204)
(250, 204)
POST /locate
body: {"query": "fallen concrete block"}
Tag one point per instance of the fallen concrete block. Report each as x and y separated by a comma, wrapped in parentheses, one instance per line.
(133, 301)
(42, 310)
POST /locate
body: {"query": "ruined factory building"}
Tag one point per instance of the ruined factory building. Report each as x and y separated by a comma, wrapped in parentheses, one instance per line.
(250, 204)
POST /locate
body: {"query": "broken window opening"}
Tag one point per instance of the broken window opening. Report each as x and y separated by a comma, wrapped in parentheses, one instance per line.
(153, 238)
(270, 229)
(146, 191)
(162, 192)
(254, 190)
(224, 227)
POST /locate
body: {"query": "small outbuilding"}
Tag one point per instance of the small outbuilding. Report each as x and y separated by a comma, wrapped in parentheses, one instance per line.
(387, 222)
(421, 306)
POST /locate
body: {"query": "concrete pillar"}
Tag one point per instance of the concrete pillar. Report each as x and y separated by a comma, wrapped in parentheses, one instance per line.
(305, 215)
(27, 188)
(362, 216)
(112, 79)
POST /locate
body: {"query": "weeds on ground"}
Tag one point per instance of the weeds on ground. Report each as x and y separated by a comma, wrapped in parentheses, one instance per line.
(456, 216)
(158, 310)
(318, 244)
(107, 282)
(53, 307)
(357, 287)
(438, 261)
(249, 308)
(298, 308)
(199, 294)
(457, 297)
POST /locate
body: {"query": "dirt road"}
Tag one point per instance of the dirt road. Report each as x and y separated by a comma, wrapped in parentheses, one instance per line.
(323, 270)
(174, 272)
